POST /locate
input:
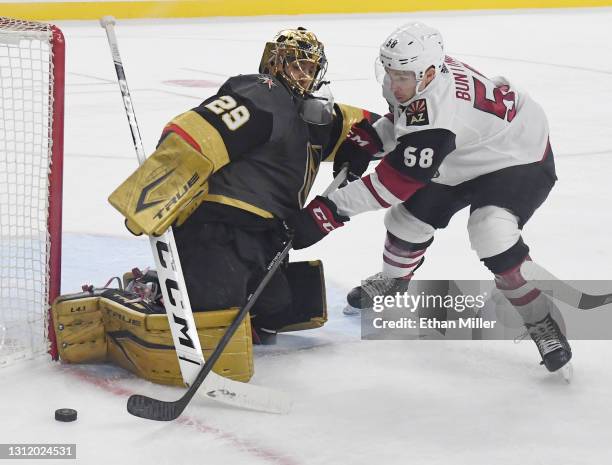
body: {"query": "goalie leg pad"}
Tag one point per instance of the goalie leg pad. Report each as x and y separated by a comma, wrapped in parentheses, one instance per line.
(302, 286)
(79, 327)
(307, 284)
(138, 338)
(236, 361)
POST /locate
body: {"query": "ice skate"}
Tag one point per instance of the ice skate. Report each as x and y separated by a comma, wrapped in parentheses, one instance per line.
(362, 297)
(552, 344)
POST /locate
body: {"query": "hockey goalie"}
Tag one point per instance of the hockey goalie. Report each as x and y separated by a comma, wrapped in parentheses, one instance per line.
(230, 177)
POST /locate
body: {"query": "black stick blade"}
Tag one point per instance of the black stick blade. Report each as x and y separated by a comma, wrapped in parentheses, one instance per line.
(154, 409)
(588, 301)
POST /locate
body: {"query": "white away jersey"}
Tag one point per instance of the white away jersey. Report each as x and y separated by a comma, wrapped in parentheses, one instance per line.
(495, 125)
(462, 126)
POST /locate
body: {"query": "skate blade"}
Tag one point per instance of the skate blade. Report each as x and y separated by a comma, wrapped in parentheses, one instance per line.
(567, 372)
(351, 311)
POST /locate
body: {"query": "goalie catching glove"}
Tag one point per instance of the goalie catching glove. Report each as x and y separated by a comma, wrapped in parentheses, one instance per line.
(314, 222)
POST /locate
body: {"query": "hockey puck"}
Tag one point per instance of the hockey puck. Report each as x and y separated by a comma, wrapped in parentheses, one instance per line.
(65, 414)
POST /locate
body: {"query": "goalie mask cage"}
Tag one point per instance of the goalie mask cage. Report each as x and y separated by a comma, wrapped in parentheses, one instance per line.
(31, 146)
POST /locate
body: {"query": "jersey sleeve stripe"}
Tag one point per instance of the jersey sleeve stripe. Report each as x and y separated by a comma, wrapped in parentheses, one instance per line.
(400, 185)
(200, 132)
(182, 134)
(368, 183)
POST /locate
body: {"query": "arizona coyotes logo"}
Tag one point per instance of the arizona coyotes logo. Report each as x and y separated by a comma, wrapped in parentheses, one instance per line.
(416, 113)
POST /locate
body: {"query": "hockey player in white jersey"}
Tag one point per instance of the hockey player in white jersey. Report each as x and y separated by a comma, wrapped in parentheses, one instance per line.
(453, 138)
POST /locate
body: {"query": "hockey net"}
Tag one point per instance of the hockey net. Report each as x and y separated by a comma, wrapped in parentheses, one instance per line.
(31, 145)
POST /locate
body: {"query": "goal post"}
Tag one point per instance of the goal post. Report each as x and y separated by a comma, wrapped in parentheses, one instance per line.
(31, 159)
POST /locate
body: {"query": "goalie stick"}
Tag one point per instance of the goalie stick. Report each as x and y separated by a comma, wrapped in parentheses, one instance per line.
(174, 290)
(160, 410)
(561, 290)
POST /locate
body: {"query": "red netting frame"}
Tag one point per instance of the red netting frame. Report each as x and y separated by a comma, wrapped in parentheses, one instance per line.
(56, 177)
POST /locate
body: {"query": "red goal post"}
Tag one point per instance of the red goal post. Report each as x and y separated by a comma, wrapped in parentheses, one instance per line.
(32, 78)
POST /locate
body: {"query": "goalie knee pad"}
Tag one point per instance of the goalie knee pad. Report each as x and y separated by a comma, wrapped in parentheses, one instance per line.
(309, 307)
(306, 306)
(111, 324)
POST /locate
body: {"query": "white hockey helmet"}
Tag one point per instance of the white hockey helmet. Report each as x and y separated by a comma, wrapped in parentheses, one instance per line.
(412, 47)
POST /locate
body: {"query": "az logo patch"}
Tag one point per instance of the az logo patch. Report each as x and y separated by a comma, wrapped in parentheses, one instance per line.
(416, 113)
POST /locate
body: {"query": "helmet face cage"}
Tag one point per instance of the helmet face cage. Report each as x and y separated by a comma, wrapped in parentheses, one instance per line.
(296, 57)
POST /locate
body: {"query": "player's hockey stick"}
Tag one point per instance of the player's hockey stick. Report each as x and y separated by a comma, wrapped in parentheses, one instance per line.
(561, 290)
(174, 291)
(159, 410)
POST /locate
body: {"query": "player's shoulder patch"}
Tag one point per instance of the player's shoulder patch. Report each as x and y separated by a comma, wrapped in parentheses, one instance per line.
(267, 81)
(253, 84)
(417, 114)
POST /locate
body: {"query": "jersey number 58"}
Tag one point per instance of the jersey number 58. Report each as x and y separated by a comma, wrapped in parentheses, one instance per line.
(424, 159)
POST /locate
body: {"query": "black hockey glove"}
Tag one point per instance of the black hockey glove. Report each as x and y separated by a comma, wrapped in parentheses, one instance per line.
(359, 148)
(314, 222)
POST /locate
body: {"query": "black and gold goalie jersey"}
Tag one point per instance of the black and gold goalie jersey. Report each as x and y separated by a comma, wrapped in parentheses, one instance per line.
(273, 155)
(244, 154)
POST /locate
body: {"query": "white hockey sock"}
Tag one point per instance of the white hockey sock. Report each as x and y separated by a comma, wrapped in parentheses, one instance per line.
(529, 301)
(400, 258)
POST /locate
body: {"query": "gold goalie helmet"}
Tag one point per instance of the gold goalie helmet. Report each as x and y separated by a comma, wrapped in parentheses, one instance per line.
(297, 58)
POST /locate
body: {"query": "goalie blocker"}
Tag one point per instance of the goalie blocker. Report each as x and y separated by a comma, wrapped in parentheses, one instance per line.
(117, 325)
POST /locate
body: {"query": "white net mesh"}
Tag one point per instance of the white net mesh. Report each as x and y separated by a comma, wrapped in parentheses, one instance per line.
(26, 93)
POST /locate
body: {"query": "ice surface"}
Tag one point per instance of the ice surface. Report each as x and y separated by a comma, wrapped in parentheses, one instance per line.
(356, 402)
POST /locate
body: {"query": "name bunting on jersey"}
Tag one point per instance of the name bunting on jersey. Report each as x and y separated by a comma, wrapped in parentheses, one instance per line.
(416, 113)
